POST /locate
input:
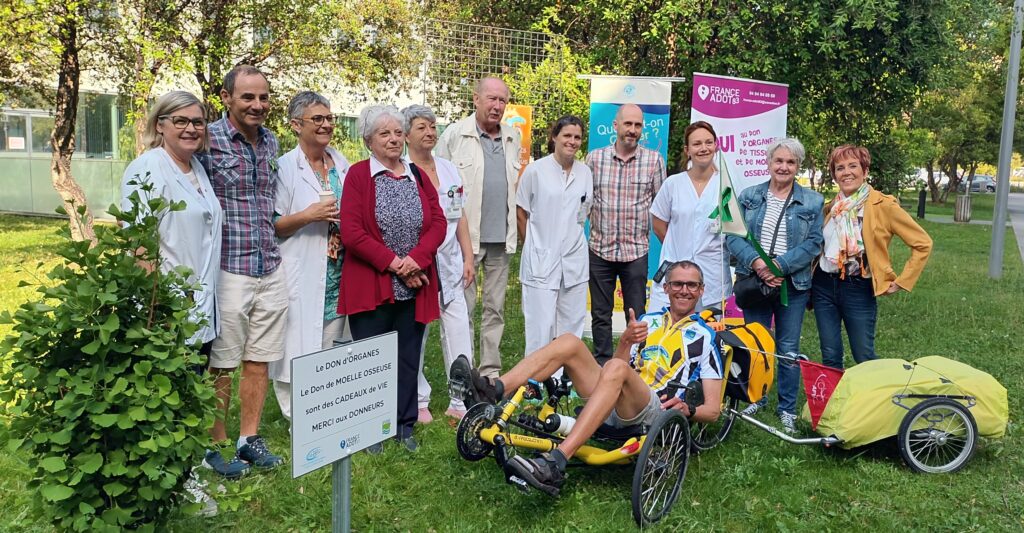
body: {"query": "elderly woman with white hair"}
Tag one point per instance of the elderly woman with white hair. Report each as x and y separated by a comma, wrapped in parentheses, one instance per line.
(391, 227)
(310, 180)
(455, 256)
(785, 219)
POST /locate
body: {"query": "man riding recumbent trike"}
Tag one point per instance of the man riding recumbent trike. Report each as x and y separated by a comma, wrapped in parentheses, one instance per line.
(638, 406)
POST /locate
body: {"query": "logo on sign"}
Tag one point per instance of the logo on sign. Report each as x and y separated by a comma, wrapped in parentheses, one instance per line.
(629, 90)
(385, 427)
(702, 92)
(312, 455)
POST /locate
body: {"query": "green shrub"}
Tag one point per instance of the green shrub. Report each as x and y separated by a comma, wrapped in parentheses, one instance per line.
(100, 391)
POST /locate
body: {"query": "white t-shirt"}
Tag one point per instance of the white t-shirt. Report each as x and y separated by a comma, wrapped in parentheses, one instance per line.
(693, 236)
(555, 251)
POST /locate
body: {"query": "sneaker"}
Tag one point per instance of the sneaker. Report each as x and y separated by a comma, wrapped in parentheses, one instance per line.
(752, 409)
(467, 384)
(423, 416)
(410, 443)
(455, 413)
(256, 453)
(788, 422)
(234, 469)
(541, 473)
(196, 491)
(375, 449)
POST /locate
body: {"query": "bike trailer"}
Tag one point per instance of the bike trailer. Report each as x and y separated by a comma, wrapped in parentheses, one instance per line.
(873, 397)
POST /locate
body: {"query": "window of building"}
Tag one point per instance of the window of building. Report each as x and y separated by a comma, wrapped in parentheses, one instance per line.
(42, 127)
(13, 133)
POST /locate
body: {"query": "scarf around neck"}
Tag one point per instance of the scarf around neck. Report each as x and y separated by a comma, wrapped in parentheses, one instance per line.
(844, 239)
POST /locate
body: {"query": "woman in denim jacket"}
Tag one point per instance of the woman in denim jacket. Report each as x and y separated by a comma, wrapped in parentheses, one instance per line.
(797, 245)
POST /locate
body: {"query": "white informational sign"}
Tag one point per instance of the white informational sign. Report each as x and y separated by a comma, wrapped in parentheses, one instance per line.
(747, 116)
(15, 143)
(344, 399)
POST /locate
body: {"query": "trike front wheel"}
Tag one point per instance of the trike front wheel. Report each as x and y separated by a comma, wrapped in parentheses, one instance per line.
(937, 436)
(661, 467)
(707, 436)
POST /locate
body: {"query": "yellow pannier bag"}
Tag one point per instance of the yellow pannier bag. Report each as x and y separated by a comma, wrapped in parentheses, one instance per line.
(861, 409)
(752, 368)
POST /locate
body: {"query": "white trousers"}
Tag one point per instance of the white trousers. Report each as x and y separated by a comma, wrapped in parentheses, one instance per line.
(333, 329)
(549, 313)
(456, 339)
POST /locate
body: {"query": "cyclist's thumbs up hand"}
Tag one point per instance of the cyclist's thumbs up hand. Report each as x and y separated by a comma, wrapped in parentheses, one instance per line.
(635, 331)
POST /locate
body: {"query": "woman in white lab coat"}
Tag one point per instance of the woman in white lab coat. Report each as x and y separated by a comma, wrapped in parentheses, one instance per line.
(681, 219)
(175, 131)
(454, 257)
(553, 202)
(310, 180)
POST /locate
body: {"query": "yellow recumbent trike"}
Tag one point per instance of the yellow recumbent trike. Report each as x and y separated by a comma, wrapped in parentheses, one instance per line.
(661, 449)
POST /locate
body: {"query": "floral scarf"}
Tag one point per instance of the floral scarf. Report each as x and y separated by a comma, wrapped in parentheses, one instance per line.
(844, 238)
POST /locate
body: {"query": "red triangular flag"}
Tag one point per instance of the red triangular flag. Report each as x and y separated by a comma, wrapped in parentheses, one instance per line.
(819, 383)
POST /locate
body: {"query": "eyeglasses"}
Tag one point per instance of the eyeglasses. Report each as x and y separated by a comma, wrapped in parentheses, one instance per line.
(181, 122)
(678, 285)
(318, 120)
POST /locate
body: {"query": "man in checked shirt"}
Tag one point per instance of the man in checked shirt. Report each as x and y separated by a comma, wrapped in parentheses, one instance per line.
(252, 296)
(627, 176)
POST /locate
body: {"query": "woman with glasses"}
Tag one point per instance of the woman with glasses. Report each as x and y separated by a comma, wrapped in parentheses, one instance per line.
(681, 219)
(190, 237)
(552, 204)
(786, 219)
(175, 131)
(306, 219)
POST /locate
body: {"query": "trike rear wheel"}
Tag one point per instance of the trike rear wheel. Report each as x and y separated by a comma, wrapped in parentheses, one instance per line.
(937, 436)
(707, 436)
(467, 436)
(661, 467)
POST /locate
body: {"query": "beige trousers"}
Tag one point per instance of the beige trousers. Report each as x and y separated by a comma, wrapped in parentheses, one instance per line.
(492, 321)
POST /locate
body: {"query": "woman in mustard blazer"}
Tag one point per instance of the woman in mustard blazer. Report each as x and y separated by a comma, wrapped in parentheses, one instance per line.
(855, 267)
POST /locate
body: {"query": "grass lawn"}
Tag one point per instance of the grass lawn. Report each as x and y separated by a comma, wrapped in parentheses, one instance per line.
(753, 482)
(982, 205)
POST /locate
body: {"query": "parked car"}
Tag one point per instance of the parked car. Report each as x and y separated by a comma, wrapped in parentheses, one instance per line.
(981, 183)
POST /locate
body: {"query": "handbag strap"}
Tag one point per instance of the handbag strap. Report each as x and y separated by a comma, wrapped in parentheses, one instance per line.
(778, 223)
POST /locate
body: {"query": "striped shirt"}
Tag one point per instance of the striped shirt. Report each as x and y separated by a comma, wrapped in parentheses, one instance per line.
(773, 209)
(244, 178)
(620, 220)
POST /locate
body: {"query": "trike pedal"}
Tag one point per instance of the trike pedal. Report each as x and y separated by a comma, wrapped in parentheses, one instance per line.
(519, 483)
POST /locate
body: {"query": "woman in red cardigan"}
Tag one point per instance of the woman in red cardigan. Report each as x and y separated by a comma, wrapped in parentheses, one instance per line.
(391, 227)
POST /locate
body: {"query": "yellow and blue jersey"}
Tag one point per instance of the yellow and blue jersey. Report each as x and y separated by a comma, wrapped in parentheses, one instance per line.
(684, 351)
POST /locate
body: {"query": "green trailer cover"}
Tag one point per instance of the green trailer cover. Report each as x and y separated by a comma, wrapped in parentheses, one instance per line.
(861, 410)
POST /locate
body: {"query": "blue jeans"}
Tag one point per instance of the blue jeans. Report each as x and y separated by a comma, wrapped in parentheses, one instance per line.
(788, 322)
(849, 301)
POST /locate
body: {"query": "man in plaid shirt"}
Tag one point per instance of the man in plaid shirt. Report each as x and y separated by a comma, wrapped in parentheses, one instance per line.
(252, 295)
(627, 176)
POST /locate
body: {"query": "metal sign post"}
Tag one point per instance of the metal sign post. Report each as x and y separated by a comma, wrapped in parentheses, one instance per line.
(995, 258)
(344, 399)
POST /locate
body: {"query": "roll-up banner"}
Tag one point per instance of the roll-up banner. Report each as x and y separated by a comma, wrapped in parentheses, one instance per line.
(654, 96)
(747, 116)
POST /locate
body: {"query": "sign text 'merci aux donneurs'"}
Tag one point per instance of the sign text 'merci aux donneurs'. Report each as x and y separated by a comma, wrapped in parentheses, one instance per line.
(343, 400)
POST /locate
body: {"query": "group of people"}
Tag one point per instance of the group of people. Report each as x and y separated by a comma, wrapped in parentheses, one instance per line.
(296, 252)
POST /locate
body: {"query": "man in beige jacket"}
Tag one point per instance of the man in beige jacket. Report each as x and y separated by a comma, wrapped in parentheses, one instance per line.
(486, 153)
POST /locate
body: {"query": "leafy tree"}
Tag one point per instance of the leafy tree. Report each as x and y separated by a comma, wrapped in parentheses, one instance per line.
(854, 68)
(50, 36)
(105, 401)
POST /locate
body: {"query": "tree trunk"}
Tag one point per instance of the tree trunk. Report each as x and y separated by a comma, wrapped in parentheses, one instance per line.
(933, 185)
(62, 140)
